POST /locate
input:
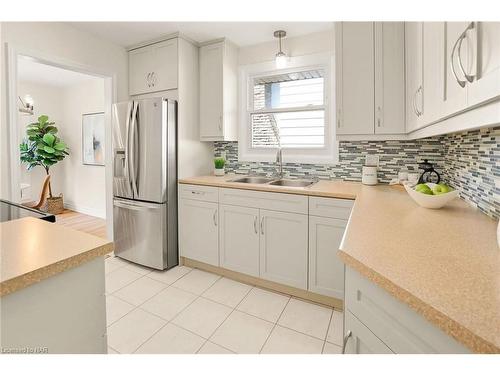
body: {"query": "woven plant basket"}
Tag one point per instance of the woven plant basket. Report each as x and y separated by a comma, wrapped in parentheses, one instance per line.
(55, 205)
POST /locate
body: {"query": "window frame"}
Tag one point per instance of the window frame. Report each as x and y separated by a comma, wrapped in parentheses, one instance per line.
(328, 154)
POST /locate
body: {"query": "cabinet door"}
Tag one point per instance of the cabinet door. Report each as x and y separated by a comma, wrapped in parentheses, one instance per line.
(414, 80)
(455, 94)
(284, 248)
(199, 231)
(361, 340)
(389, 78)
(326, 270)
(164, 65)
(211, 91)
(486, 67)
(239, 239)
(433, 89)
(140, 69)
(355, 78)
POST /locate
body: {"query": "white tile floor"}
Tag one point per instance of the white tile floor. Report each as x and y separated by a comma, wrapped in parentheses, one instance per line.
(189, 311)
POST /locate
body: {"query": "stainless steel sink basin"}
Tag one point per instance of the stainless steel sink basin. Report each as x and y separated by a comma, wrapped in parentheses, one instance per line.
(252, 180)
(292, 183)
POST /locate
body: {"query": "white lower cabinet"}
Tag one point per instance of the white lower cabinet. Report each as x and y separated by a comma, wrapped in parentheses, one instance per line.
(283, 248)
(392, 322)
(199, 230)
(360, 340)
(326, 270)
(284, 238)
(239, 239)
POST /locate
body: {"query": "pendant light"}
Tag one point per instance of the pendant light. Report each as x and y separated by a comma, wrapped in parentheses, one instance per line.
(281, 58)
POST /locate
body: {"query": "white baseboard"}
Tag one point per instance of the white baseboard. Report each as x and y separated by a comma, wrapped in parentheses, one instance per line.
(92, 211)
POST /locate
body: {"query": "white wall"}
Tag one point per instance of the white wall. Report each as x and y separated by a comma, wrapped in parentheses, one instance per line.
(63, 43)
(320, 42)
(83, 186)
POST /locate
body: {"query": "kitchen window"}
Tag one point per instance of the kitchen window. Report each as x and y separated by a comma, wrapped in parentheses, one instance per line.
(287, 108)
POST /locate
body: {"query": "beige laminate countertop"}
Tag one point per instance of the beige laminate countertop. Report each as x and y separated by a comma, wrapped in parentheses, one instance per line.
(444, 264)
(32, 250)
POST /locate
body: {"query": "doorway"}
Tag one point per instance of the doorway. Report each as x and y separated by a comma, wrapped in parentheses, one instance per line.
(78, 102)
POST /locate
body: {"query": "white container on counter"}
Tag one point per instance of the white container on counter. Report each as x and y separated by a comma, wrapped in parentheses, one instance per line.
(369, 175)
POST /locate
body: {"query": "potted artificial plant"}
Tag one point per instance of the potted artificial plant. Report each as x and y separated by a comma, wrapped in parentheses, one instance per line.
(42, 147)
(219, 166)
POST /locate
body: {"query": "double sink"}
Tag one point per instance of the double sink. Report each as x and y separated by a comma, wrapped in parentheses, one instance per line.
(272, 181)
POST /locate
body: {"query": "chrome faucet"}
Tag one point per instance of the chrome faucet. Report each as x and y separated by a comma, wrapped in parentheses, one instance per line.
(279, 163)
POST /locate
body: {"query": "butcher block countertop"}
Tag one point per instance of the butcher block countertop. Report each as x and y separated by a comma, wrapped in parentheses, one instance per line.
(444, 264)
(32, 250)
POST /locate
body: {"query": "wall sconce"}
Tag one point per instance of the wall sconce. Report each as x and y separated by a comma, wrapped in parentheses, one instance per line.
(27, 105)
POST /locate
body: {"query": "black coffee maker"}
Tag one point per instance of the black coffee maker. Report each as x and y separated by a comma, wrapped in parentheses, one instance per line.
(429, 174)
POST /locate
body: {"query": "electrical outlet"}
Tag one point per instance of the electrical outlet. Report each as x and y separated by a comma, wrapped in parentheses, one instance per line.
(372, 160)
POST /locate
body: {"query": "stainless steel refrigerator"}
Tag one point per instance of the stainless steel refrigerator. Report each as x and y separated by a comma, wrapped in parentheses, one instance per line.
(145, 182)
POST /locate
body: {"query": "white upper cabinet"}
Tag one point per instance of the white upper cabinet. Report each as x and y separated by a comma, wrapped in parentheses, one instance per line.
(370, 78)
(355, 71)
(455, 90)
(483, 44)
(153, 68)
(389, 78)
(414, 75)
(429, 100)
(218, 92)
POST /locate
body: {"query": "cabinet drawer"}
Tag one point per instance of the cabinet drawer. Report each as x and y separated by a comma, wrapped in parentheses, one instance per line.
(330, 207)
(399, 327)
(362, 340)
(199, 192)
(269, 201)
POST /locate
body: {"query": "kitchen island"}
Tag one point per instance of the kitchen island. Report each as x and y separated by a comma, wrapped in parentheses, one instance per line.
(51, 289)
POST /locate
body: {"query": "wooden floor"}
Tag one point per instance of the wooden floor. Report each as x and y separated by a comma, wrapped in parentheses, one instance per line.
(85, 223)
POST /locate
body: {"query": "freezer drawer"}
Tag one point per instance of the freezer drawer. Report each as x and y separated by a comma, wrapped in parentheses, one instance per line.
(140, 232)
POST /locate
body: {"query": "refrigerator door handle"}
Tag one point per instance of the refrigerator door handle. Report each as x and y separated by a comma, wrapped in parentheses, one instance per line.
(133, 206)
(126, 148)
(132, 152)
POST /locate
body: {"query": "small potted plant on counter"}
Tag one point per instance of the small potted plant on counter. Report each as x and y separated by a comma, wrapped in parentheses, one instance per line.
(219, 163)
(43, 148)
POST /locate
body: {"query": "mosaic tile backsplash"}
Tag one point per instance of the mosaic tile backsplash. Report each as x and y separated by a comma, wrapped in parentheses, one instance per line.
(468, 161)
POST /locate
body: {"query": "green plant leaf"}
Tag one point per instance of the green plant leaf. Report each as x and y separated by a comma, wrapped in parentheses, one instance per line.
(49, 139)
(51, 129)
(48, 149)
(43, 119)
(60, 146)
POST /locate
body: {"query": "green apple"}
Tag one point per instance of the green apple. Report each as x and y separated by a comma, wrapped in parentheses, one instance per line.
(424, 189)
(441, 189)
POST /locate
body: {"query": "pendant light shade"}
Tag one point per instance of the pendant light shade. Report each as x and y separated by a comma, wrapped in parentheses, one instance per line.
(281, 58)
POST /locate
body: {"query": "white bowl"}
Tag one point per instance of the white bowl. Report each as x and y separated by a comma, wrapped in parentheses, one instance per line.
(431, 201)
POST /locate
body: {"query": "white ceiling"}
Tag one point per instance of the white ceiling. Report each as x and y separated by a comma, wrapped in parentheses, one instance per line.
(242, 33)
(34, 72)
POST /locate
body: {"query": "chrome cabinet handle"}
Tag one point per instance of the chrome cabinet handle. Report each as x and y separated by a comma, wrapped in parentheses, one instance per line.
(378, 117)
(452, 58)
(197, 192)
(262, 225)
(338, 119)
(148, 79)
(220, 123)
(215, 217)
(346, 339)
(153, 79)
(468, 77)
(417, 111)
(413, 102)
(255, 225)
